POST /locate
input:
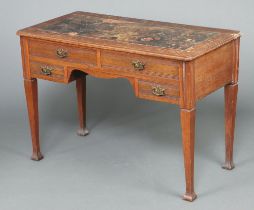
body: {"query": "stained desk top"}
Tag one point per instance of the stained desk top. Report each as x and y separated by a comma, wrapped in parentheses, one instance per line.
(176, 41)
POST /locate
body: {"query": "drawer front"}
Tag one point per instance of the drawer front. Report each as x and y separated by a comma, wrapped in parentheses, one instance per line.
(158, 91)
(145, 65)
(62, 52)
(47, 71)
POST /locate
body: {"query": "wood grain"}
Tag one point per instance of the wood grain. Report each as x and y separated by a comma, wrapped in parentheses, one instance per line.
(163, 68)
(185, 63)
(214, 70)
(57, 74)
(230, 92)
(81, 96)
(187, 85)
(188, 138)
(225, 36)
(75, 54)
(171, 92)
(31, 90)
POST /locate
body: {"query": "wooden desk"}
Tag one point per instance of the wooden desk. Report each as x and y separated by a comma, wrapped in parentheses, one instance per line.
(172, 63)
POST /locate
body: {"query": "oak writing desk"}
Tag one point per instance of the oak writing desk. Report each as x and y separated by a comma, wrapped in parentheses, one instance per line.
(172, 63)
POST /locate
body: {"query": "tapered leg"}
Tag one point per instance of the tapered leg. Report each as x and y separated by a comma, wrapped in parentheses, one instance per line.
(81, 95)
(188, 138)
(230, 113)
(31, 90)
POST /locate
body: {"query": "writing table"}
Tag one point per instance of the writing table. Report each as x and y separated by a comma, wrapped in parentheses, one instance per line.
(166, 62)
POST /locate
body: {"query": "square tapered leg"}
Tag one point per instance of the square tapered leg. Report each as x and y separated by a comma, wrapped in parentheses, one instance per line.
(31, 91)
(81, 97)
(230, 92)
(188, 138)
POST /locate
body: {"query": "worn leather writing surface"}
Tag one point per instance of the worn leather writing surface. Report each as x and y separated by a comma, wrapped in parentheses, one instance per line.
(129, 31)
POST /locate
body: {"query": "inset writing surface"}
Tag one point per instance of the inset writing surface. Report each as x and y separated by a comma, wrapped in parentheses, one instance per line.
(122, 30)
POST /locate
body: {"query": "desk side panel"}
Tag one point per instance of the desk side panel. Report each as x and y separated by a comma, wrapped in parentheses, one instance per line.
(25, 57)
(214, 70)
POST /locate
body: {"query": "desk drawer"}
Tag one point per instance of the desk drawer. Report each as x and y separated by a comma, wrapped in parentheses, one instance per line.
(145, 65)
(158, 91)
(62, 52)
(47, 71)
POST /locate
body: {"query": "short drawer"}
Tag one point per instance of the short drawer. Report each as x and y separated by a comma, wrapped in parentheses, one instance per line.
(47, 71)
(145, 65)
(62, 52)
(158, 91)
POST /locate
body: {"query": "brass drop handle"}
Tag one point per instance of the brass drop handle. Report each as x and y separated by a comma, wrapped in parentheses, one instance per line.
(61, 53)
(47, 70)
(138, 65)
(158, 91)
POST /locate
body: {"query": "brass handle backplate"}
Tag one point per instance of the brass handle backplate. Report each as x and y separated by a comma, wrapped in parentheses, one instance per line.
(158, 91)
(61, 53)
(138, 65)
(47, 70)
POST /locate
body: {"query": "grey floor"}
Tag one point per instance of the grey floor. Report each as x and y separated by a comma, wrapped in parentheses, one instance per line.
(132, 158)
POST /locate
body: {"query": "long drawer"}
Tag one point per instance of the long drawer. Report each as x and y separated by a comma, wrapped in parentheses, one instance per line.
(144, 65)
(62, 52)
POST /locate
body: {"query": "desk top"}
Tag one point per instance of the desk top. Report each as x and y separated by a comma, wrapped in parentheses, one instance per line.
(176, 41)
